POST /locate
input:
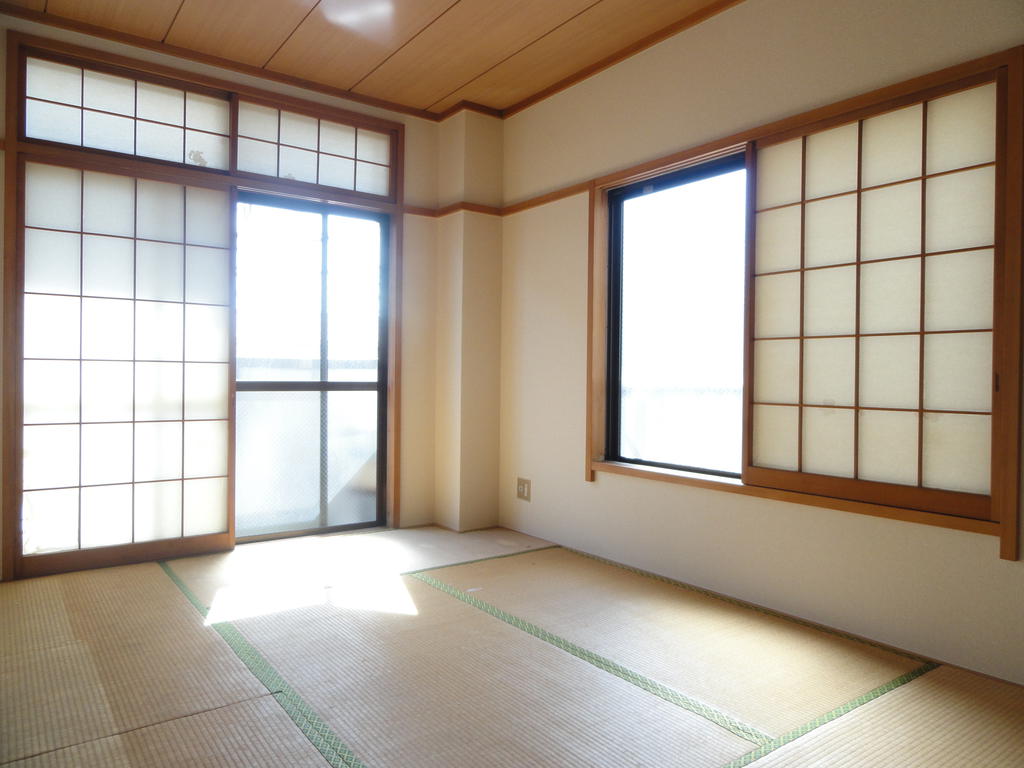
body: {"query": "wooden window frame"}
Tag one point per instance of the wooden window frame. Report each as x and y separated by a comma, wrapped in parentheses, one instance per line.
(1001, 516)
(18, 150)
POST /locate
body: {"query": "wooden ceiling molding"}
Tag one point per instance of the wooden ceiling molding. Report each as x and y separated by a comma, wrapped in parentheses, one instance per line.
(427, 58)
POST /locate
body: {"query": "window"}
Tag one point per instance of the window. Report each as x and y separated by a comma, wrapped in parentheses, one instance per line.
(882, 319)
(676, 316)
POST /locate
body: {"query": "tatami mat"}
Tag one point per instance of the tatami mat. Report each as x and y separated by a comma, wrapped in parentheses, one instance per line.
(766, 671)
(435, 682)
(947, 718)
(127, 650)
(250, 734)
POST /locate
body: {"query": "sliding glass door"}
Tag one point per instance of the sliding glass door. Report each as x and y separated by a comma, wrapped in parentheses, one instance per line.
(310, 366)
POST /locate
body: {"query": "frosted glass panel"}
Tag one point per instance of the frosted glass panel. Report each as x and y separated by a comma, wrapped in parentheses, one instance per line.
(778, 173)
(829, 366)
(298, 130)
(958, 291)
(372, 179)
(777, 239)
(297, 164)
(889, 371)
(890, 221)
(206, 150)
(109, 93)
(828, 441)
(107, 391)
(206, 391)
(208, 217)
(51, 326)
(108, 266)
(53, 122)
(109, 204)
(257, 121)
(337, 139)
(890, 296)
(158, 331)
(257, 157)
(53, 197)
(51, 261)
(160, 211)
(53, 82)
(106, 453)
(106, 515)
(50, 456)
(962, 129)
(888, 447)
(109, 132)
(51, 391)
(337, 172)
(206, 333)
(157, 450)
(207, 279)
(777, 371)
(157, 102)
(776, 429)
(961, 210)
(958, 371)
(157, 511)
(831, 161)
(207, 113)
(351, 457)
(106, 329)
(49, 521)
(830, 231)
(777, 305)
(830, 301)
(957, 452)
(206, 506)
(159, 271)
(892, 146)
(206, 448)
(373, 146)
(161, 142)
(158, 390)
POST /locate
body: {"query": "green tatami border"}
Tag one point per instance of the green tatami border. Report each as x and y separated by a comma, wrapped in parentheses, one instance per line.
(320, 735)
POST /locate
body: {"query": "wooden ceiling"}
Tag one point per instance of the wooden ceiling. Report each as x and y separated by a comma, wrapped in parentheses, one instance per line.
(426, 57)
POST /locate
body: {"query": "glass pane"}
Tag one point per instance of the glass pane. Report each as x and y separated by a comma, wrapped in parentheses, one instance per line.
(49, 521)
(107, 329)
(157, 511)
(887, 444)
(777, 305)
(206, 506)
(159, 269)
(958, 371)
(51, 326)
(282, 344)
(110, 132)
(53, 122)
(107, 391)
(962, 129)
(337, 172)
(206, 391)
(372, 179)
(257, 157)
(106, 515)
(161, 142)
(297, 164)
(828, 441)
(109, 204)
(108, 266)
(207, 217)
(889, 371)
(958, 291)
(830, 301)
(831, 161)
(337, 139)
(829, 371)
(351, 457)
(106, 453)
(159, 331)
(779, 168)
(961, 210)
(257, 122)
(957, 452)
(890, 296)
(161, 211)
(206, 150)
(158, 389)
(51, 261)
(109, 93)
(298, 130)
(53, 197)
(53, 82)
(207, 279)
(682, 267)
(353, 298)
(157, 451)
(890, 221)
(775, 438)
(777, 371)
(162, 104)
(373, 147)
(207, 113)
(207, 332)
(51, 391)
(777, 240)
(206, 448)
(892, 146)
(50, 456)
(830, 231)
(277, 481)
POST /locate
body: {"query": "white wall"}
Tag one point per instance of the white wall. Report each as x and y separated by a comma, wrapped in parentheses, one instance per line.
(939, 592)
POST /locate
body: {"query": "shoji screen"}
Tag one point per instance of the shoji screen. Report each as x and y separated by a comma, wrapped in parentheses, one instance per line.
(873, 265)
(126, 360)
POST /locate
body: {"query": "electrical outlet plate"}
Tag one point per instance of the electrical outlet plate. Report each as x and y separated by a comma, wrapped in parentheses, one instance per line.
(522, 488)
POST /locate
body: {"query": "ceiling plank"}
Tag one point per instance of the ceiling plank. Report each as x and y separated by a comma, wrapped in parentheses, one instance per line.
(472, 37)
(609, 30)
(342, 40)
(248, 31)
(35, 5)
(149, 19)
